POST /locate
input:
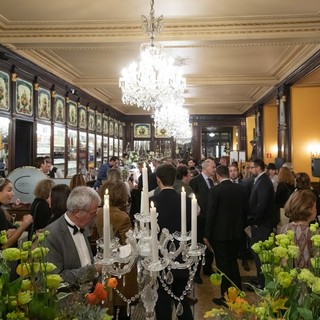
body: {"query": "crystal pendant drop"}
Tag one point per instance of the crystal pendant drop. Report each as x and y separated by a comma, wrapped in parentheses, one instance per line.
(203, 261)
(128, 309)
(172, 247)
(124, 281)
(164, 275)
(169, 277)
(179, 309)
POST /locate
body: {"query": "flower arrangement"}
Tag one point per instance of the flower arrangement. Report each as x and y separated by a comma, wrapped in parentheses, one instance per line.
(35, 294)
(289, 294)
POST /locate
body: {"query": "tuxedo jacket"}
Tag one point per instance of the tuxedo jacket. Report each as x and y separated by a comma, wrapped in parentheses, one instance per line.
(201, 190)
(262, 203)
(226, 212)
(63, 253)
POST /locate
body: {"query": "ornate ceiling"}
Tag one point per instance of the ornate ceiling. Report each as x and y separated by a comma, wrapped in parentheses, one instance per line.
(231, 52)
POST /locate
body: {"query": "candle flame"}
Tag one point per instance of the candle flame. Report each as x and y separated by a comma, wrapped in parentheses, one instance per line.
(144, 165)
(182, 189)
(193, 196)
(106, 192)
(152, 204)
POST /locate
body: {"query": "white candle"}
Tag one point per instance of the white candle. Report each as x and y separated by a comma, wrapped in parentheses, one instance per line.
(183, 213)
(154, 234)
(106, 226)
(194, 215)
(145, 177)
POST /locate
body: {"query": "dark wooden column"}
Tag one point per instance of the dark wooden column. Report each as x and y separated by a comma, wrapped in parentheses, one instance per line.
(284, 116)
(258, 132)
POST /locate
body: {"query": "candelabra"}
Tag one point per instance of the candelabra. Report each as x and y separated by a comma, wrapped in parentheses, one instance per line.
(143, 244)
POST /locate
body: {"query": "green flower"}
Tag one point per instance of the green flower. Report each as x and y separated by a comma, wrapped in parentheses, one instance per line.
(314, 227)
(47, 267)
(293, 251)
(284, 279)
(216, 279)
(280, 252)
(316, 286)
(316, 240)
(306, 276)
(39, 252)
(3, 238)
(282, 240)
(26, 245)
(266, 268)
(11, 254)
(315, 262)
(257, 247)
(25, 284)
(266, 256)
(53, 281)
(24, 297)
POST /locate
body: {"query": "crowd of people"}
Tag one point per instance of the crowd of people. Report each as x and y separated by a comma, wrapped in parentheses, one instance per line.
(230, 200)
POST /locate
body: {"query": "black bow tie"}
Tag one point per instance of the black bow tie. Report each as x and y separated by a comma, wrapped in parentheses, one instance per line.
(75, 228)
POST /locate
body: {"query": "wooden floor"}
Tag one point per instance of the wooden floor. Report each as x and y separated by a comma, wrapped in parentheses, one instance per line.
(206, 292)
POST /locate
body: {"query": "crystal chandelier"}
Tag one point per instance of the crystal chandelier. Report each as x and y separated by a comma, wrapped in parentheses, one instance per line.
(154, 81)
(175, 120)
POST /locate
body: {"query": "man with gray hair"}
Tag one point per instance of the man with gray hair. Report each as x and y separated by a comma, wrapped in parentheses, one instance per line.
(200, 186)
(69, 247)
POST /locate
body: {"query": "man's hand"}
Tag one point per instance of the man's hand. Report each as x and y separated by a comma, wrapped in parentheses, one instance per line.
(207, 243)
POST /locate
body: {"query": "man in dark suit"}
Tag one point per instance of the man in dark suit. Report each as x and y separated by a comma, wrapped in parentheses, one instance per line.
(261, 215)
(200, 186)
(168, 204)
(225, 222)
(69, 248)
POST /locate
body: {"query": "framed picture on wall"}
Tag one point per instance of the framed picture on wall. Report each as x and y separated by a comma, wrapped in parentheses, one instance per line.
(24, 97)
(105, 125)
(82, 117)
(72, 114)
(142, 130)
(91, 122)
(99, 122)
(116, 129)
(44, 104)
(111, 127)
(59, 106)
(4, 91)
(161, 133)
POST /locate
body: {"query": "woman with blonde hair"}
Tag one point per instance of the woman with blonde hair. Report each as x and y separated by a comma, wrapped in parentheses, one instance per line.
(77, 180)
(301, 209)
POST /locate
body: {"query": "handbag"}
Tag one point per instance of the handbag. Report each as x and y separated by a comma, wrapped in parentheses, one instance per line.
(31, 230)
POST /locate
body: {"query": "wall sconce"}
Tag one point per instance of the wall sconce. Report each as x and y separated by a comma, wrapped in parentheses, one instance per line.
(53, 91)
(314, 151)
(13, 74)
(36, 84)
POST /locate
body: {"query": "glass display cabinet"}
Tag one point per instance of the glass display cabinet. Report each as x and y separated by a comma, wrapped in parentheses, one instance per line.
(4, 149)
(98, 151)
(116, 147)
(72, 153)
(43, 139)
(111, 147)
(59, 142)
(91, 148)
(82, 148)
(105, 148)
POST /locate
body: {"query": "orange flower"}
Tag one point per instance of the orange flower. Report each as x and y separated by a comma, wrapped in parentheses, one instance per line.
(100, 291)
(91, 298)
(233, 293)
(112, 283)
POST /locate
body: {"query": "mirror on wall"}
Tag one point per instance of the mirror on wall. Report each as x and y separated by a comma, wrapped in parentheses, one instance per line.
(141, 147)
(59, 139)
(116, 147)
(91, 148)
(43, 139)
(4, 149)
(105, 149)
(98, 150)
(120, 148)
(72, 153)
(82, 149)
(216, 141)
(111, 147)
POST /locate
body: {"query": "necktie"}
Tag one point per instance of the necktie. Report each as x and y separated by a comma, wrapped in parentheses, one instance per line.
(210, 182)
(75, 228)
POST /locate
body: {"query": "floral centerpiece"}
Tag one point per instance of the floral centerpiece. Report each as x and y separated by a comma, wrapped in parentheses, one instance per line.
(35, 293)
(290, 293)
